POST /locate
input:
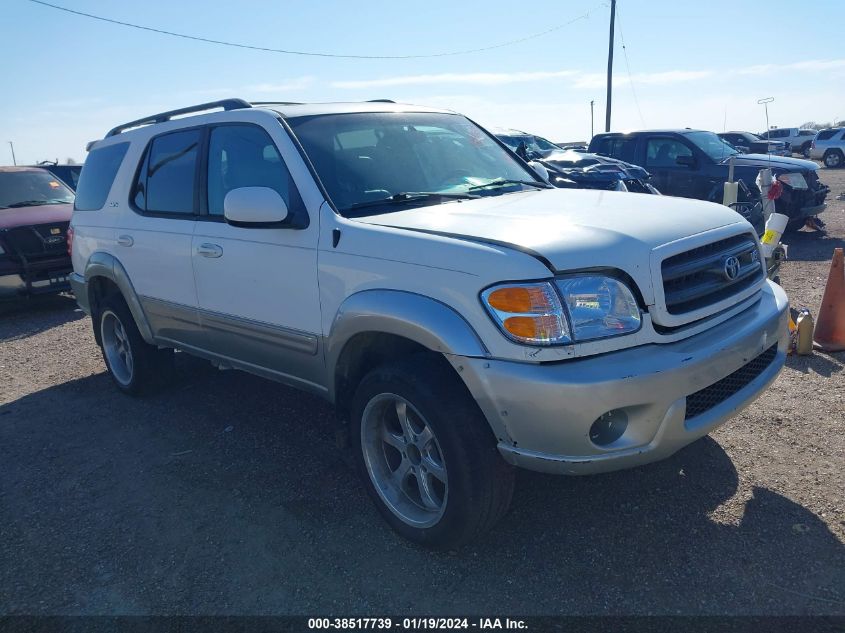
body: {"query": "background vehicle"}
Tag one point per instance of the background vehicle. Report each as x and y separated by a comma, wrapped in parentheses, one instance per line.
(571, 169)
(749, 143)
(695, 164)
(68, 174)
(455, 309)
(797, 139)
(536, 146)
(829, 147)
(35, 209)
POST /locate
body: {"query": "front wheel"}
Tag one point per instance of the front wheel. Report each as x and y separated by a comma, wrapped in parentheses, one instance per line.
(427, 455)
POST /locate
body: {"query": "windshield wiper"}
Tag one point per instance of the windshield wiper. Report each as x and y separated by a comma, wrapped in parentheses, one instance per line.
(503, 182)
(409, 197)
(29, 203)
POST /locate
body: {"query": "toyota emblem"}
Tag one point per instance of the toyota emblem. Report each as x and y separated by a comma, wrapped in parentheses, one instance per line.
(731, 268)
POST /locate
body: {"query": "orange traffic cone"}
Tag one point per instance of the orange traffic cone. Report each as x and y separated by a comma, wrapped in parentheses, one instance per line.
(830, 326)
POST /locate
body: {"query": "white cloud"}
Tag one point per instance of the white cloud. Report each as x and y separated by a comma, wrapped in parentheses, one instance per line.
(812, 65)
(486, 79)
(598, 80)
(291, 85)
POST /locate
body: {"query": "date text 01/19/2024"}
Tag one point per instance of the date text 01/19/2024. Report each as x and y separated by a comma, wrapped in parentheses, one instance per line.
(416, 624)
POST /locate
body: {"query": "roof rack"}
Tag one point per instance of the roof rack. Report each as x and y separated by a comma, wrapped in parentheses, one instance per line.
(226, 104)
(380, 101)
(260, 103)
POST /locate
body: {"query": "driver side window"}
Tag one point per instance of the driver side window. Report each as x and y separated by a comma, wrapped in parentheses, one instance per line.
(245, 156)
(664, 152)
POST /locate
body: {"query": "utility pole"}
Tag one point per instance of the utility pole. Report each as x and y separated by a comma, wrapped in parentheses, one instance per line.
(12, 145)
(610, 66)
(592, 127)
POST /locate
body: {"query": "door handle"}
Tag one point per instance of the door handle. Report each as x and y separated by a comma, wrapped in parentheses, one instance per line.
(125, 240)
(209, 250)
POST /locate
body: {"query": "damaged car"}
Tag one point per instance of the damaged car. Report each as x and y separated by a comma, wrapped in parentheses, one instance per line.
(696, 163)
(35, 210)
(571, 169)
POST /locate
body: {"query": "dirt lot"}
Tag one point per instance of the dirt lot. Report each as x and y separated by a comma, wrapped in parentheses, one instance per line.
(225, 494)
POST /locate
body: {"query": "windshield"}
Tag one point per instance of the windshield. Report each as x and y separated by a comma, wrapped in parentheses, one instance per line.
(32, 188)
(712, 145)
(370, 157)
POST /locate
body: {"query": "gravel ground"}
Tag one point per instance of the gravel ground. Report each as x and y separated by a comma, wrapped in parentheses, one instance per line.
(225, 495)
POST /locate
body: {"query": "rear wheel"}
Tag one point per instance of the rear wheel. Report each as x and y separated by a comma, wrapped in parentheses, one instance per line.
(805, 150)
(427, 455)
(834, 158)
(135, 366)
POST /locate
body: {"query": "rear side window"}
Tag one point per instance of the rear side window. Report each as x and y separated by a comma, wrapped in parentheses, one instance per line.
(826, 134)
(621, 147)
(167, 179)
(98, 175)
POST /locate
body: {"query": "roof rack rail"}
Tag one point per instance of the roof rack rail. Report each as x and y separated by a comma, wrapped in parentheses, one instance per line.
(226, 104)
(380, 101)
(260, 103)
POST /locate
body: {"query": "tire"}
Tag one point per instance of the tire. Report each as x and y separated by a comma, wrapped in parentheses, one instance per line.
(454, 485)
(805, 150)
(135, 366)
(834, 158)
(795, 225)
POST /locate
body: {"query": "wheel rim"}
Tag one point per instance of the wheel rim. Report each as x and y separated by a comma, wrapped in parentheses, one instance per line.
(833, 160)
(118, 351)
(404, 460)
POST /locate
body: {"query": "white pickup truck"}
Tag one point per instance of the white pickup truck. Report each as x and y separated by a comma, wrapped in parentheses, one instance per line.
(463, 316)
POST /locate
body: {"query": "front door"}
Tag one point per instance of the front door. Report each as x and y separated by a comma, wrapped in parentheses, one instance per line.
(257, 287)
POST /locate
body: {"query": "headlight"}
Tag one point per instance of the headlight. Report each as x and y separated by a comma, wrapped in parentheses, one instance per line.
(796, 181)
(599, 306)
(593, 306)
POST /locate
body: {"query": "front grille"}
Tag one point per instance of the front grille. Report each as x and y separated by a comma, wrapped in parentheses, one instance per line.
(707, 398)
(697, 278)
(41, 240)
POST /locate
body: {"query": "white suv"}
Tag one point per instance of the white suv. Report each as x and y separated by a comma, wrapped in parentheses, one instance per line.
(829, 147)
(463, 316)
(798, 139)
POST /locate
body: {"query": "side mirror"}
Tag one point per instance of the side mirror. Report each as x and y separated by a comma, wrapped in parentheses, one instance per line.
(254, 207)
(540, 170)
(687, 161)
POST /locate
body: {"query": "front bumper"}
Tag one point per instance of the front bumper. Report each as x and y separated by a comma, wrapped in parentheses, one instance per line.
(542, 412)
(33, 278)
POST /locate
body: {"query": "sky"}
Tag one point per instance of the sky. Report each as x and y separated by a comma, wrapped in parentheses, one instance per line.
(686, 63)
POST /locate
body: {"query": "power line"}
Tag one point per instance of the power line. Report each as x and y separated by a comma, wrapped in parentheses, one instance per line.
(196, 38)
(630, 76)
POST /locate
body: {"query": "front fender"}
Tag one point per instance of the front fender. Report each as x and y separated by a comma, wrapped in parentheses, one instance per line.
(108, 266)
(424, 320)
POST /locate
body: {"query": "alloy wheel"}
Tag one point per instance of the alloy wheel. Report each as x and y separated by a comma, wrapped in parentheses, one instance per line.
(404, 460)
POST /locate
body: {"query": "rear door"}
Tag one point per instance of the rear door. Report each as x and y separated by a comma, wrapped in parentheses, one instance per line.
(257, 287)
(154, 235)
(661, 161)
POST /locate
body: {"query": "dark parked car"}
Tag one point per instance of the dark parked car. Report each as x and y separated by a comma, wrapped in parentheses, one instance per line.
(35, 210)
(68, 174)
(695, 163)
(749, 143)
(571, 169)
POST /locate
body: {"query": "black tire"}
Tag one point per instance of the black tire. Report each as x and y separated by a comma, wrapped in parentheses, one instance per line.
(795, 225)
(149, 366)
(833, 159)
(480, 482)
(805, 150)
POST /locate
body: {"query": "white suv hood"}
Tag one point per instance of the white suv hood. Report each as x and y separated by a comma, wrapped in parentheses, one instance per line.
(572, 229)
